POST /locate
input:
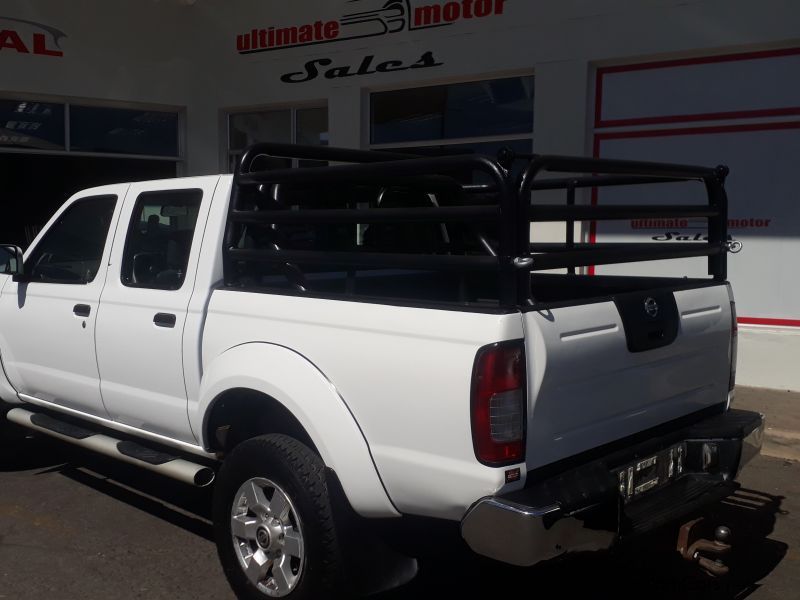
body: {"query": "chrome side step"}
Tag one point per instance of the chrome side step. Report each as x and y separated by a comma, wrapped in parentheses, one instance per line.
(129, 452)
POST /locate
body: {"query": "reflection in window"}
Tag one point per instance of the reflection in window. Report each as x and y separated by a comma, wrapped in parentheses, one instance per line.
(250, 128)
(123, 131)
(35, 125)
(490, 149)
(307, 126)
(483, 108)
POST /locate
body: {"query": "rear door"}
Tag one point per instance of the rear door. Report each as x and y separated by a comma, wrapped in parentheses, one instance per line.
(140, 325)
(602, 371)
(48, 323)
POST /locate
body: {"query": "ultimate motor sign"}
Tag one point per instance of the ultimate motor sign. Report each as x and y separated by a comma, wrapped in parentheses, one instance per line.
(392, 17)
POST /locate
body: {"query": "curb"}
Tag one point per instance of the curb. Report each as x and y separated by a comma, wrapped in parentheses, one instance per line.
(781, 410)
(781, 444)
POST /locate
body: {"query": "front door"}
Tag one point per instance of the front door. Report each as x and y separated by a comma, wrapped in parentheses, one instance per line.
(144, 304)
(47, 324)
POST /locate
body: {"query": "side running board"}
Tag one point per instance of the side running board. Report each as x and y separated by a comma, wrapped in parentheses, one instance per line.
(126, 451)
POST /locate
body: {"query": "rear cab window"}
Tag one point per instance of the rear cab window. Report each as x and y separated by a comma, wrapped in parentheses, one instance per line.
(160, 239)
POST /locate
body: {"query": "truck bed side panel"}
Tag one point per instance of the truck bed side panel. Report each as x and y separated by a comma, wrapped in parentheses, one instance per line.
(404, 374)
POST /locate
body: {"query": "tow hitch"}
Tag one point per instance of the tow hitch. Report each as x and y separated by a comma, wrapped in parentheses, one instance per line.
(706, 553)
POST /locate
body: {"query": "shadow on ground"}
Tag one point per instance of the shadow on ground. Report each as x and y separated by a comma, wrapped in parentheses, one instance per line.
(648, 568)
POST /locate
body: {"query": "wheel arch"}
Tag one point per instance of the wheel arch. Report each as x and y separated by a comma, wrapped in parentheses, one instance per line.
(275, 381)
(239, 414)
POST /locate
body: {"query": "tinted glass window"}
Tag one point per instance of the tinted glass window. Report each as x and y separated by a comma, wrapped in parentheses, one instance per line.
(71, 250)
(31, 125)
(464, 110)
(246, 129)
(311, 129)
(160, 239)
(490, 149)
(306, 126)
(123, 131)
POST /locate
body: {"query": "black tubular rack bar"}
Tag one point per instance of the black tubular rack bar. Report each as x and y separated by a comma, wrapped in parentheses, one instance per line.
(503, 203)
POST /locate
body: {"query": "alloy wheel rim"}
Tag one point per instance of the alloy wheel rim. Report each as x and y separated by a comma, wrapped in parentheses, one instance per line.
(267, 537)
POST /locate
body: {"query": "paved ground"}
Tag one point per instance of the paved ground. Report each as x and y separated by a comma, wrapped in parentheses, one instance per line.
(75, 526)
(782, 409)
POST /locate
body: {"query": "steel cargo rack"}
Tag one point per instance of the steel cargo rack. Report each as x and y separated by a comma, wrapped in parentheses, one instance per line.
(468, 193)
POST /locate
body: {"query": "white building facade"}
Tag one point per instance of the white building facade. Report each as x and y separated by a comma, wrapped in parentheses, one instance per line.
(94, 91)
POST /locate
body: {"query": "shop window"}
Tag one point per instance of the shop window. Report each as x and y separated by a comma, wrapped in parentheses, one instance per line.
(33, 125)
(46, 127)
(123, 131)
(491, 108)
(307, 126)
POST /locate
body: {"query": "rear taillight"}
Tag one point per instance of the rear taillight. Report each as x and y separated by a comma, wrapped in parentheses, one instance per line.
(498, 403)
(734, 346)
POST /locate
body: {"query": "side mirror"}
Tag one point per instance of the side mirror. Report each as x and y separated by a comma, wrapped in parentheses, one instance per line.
(12, 261)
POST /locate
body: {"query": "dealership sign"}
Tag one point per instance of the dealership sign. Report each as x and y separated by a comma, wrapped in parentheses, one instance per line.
(391, 17)
(29, 37)
(693, 230)
(366, 66)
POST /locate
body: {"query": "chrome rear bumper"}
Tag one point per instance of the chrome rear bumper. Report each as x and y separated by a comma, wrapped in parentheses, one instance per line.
(582, 509)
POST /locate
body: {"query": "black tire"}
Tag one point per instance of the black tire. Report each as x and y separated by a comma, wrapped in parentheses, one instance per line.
(300, 474)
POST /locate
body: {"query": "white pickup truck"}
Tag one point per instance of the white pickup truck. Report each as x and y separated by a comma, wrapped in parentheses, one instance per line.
(377, 341)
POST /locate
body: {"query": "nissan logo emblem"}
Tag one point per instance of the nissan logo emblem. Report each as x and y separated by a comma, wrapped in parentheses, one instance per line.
(651, 307)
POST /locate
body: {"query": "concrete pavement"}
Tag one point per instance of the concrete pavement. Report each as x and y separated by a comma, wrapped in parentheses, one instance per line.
(782, 411)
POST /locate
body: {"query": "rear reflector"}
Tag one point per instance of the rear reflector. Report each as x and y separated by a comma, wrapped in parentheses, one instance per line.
(498, 403)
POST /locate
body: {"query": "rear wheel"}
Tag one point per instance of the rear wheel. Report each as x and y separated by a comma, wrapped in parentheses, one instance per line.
(273, 521)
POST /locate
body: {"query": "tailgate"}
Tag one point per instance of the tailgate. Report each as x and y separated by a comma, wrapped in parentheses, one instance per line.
(602, 371)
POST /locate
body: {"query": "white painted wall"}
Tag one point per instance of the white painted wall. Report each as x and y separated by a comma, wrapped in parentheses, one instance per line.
(768, 357)
(126, 50)
(165, 53)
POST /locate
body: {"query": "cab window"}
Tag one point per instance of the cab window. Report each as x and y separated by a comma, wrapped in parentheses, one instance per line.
(72, 248)
(160, 239)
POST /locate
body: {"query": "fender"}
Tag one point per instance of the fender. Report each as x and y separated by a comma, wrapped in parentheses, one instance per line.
(303, 389)
(7, 392)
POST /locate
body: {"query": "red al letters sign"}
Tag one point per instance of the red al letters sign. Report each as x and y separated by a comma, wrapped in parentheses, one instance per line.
(28, 37)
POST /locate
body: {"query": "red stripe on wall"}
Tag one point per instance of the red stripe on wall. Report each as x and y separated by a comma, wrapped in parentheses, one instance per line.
(621, 135)
(774, 112)
(773, 322)
(701, 60)
(721, 116)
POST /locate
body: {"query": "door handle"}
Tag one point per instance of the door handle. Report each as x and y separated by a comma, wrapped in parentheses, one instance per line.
(164, 320)
(82, 310)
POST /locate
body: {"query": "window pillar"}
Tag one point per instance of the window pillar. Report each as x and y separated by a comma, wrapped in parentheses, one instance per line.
(346, 121)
